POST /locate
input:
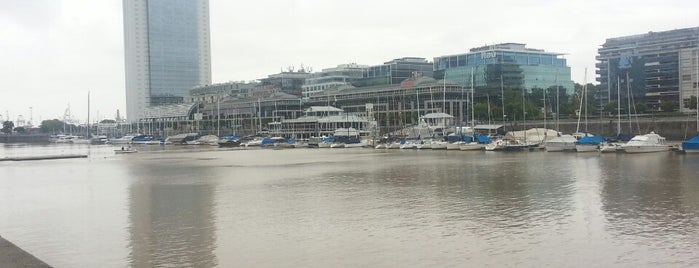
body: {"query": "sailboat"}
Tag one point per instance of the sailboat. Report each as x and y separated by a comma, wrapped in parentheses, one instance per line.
(562, 142)
(479, 141)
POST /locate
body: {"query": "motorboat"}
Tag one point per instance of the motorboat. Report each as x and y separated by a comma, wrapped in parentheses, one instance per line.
(610, 147)
(560, 143)
(647, 143)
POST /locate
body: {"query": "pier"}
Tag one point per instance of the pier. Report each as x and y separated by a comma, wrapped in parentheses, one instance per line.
(11, 256)
(43, 157)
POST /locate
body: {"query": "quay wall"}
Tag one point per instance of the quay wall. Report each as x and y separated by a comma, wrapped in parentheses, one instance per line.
(24, 138)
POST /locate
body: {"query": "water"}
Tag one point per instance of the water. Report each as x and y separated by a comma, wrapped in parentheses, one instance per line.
(203, 207)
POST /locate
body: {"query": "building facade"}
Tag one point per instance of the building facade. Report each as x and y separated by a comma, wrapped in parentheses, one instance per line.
(167, 52)
(343, 74)
(508, 65)
(289, 81)
(648, 68)
(395, 71)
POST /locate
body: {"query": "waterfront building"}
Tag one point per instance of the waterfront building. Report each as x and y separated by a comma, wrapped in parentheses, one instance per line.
(512, 66)
(319, 121)
(660, 66)
(167, 52)
(216, 92)
(343, 74)
(395, 71)
(289, 81)
(395, 107)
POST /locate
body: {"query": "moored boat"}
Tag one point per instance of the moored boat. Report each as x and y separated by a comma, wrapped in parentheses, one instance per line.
(691, 145)
(647, 143)
(560, 143)
(589, 144)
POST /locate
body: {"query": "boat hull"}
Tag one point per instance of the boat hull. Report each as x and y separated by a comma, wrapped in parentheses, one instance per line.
(645, 149)
(586, 148)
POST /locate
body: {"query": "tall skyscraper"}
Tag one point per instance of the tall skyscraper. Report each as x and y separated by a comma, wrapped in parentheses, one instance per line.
(167, 51)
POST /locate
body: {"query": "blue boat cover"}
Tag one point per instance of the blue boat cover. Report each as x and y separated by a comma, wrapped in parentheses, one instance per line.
(591, 140)
(482, 138)
(691, 144)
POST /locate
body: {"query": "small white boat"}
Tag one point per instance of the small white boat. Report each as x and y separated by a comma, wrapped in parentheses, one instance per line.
(610, 147)
(125, 151)
(647, 143)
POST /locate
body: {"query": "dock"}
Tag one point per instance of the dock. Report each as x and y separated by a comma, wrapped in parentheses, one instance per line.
(43, 157)
(12, 256)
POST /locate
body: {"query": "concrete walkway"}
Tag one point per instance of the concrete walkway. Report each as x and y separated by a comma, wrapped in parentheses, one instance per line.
(12, 256)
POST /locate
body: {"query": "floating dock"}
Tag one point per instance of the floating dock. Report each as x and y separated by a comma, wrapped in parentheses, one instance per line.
(12, 256)
(43, 157)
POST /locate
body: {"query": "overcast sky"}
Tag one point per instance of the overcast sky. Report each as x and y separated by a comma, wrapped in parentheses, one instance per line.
(52, 52)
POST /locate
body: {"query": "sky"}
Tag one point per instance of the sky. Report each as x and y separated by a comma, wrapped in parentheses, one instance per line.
(54, 53)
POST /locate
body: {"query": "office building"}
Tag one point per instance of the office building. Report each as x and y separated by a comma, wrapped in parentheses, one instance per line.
(660, 66)
(511, 66)
(343, 74)
(395, 71)
(167, 51)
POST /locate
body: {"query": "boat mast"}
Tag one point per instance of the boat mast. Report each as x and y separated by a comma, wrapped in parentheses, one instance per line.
(628, 103)
(582, 98)
(618, 106)
(88, 116)
(473, 115)
(502, 94)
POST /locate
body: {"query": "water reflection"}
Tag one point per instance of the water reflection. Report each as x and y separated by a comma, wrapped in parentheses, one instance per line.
(645, 203)
(171, 224)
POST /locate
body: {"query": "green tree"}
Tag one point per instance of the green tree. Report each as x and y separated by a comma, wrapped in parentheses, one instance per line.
(51, 126)
(641, 108)
(7, 127)
(669, 106)
(691, 103)
(611, 107)
(20, 130)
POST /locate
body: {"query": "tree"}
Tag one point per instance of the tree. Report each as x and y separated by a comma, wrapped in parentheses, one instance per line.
(20, 130)
(7, 127)
(691, 103)
(611, 107)
(669, 106)
(641, 108)
(51, 126)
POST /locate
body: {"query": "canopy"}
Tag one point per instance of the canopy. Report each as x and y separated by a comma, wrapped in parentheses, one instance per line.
(591, 140)
(692, 144)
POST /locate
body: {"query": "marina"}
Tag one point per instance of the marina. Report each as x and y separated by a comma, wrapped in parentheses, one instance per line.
(315, 207)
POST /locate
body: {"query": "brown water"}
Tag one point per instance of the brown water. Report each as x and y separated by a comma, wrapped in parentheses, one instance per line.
(205, 207)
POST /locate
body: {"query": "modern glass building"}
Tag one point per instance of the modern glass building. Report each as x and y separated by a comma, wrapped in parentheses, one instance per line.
(509, 65)
(343, 74)
(167, 51)
(660, 66)
(395, 71)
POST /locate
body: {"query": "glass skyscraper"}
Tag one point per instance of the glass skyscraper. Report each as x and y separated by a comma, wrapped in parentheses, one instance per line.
(167, 51)
(509, 65)
(653, 68)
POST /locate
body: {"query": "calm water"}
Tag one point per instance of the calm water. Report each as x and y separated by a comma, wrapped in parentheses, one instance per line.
(351, 208)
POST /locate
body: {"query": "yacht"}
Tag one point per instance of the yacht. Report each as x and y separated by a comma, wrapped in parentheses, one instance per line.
(647, 143)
